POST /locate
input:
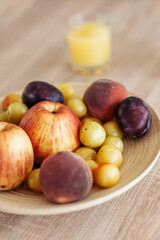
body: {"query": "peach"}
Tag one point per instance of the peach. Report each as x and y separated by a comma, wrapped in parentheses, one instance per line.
(103, 98)
(65, 177)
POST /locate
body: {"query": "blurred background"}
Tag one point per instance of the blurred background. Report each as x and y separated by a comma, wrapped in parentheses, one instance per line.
(33, 43)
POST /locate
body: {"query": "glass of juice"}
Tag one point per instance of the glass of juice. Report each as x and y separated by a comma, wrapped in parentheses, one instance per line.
(89, 40)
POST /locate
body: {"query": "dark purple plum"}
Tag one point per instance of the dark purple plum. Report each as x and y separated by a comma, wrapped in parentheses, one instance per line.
(133, 117)
(38, 91)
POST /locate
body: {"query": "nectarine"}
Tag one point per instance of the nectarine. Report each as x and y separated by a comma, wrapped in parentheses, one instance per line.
(65, 177)
(103, 98)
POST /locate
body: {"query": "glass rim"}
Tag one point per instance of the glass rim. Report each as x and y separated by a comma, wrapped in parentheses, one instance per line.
(80, 18)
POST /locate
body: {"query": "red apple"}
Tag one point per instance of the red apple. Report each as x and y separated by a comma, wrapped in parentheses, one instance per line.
(16, 156)
(52, 127)
(103, 98)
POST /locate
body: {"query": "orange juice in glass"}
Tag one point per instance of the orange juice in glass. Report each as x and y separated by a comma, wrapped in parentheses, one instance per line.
(89, 40)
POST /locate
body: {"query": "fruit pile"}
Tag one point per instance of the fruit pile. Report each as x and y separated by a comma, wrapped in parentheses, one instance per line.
(63, 144)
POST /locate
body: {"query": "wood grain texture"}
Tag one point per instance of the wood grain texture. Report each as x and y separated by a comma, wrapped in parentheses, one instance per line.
(33, 46)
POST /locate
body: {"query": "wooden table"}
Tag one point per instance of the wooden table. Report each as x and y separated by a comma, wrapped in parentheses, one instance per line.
(33, 47)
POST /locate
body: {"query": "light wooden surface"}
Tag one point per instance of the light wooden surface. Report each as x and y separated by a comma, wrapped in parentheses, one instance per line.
(33, 46)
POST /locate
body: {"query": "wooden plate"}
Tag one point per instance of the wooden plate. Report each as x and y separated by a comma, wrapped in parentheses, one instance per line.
(139, 157)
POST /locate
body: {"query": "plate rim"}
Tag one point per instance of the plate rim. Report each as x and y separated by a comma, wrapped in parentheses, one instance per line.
(83, 205)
